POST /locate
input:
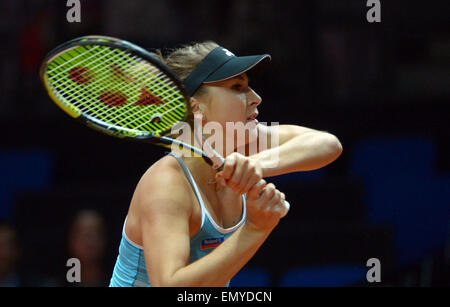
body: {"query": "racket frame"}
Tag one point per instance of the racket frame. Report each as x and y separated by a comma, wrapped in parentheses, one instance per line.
(119, 132)
(89, 120)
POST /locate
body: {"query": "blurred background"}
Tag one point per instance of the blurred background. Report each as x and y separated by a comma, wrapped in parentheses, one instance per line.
(381, 88)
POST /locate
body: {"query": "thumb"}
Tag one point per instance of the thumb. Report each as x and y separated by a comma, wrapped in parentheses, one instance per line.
(219, 179)
(228, 168)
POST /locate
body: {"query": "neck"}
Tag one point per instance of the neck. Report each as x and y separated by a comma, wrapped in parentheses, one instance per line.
(217, 140)
(203, 173)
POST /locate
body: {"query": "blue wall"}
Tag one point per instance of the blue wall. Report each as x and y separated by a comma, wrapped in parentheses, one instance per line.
(22, 170)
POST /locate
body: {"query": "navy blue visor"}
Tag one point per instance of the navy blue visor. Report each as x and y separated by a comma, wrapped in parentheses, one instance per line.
(220, 64)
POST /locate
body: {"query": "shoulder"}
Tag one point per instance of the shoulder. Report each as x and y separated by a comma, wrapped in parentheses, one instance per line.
(166, 168)
(163, 187)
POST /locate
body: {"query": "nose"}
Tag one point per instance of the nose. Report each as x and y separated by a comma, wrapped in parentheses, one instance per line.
(253, 98)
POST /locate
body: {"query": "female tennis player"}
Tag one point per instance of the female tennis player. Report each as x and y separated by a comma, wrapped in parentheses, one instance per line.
(187, 224)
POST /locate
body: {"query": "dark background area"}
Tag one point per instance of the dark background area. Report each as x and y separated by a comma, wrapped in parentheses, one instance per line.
(381, 88)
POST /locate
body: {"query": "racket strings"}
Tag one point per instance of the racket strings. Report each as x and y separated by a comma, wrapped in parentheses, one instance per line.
(103, 78)
(168, 99)
(63, 81)
(105, 107)
(75, 96)
(138, 118)
(56, 62)
(68, 86)
(93, 91)
(167, 83)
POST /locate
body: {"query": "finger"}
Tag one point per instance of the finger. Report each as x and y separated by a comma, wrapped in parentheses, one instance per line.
(240, 171)
(250, 177)
(229, 167)
(256, 189)
(272, 204)
(267, 192)
(220, 179)
(281, 206)
(246, 177)
(264, 197)
(250, 183)
(253, 193)
(286, 207)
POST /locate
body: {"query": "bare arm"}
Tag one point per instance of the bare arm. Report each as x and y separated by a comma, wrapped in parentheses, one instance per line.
(219, 266)
(164, 219)
(299, 149)
(286, 149)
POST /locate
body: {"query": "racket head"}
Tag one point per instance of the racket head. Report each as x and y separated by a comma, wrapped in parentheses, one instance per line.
(115, 87)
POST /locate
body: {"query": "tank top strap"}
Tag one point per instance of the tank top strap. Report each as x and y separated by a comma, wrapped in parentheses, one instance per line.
(193, 184)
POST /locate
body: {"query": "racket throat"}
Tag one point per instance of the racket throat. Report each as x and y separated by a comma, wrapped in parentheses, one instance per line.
(217, 160)
(217, 163)
(176, 145)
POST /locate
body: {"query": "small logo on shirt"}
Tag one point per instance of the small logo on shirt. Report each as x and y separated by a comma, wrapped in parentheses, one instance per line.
(228, 52)
(211, 242)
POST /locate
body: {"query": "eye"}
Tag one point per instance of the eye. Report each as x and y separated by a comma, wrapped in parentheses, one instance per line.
(237, 87)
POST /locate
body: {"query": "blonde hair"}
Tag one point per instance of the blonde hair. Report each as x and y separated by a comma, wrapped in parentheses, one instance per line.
(182, 61)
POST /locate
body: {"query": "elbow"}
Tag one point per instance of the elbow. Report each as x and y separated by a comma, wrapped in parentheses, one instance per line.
(166, 283)
(337, 146)
(333, 147)
(174, 280)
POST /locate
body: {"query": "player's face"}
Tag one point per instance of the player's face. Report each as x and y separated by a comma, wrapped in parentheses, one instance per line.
(232, 101)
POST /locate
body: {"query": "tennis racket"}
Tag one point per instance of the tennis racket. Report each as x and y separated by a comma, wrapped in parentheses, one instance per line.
(122, 90)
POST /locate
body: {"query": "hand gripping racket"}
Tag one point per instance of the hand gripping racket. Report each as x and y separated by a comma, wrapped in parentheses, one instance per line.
(122, 90)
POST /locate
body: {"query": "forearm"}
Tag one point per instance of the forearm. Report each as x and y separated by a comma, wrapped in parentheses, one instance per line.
(219, 266)
(304, 152)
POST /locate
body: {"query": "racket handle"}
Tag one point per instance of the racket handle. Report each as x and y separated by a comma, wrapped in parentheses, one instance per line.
(217, 160)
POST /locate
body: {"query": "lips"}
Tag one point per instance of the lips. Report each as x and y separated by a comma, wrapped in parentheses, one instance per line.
(253, 116)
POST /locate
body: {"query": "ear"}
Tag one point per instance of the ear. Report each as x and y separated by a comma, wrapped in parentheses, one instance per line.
(197, 108)
(195, 104)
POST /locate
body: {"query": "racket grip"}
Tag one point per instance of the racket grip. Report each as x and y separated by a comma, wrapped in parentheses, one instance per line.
(218, 162)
